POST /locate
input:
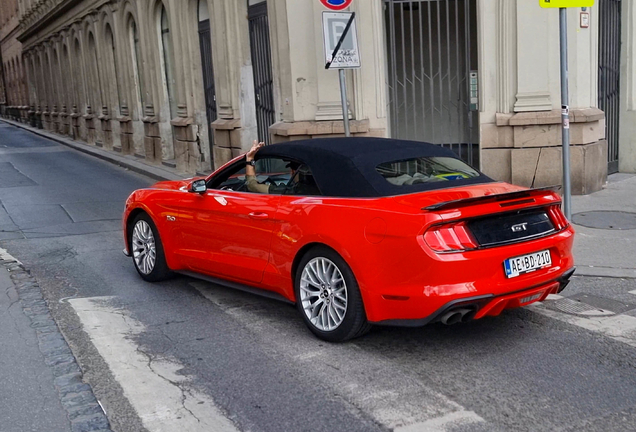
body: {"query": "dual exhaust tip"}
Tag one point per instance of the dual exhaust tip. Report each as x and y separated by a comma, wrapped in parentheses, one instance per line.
(456, 316)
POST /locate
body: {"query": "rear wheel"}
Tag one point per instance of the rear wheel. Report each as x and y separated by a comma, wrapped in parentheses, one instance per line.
(328, 297)
(147, 250)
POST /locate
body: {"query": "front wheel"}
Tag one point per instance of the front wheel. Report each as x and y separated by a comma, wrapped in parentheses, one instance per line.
(147, 250)
(328, 297)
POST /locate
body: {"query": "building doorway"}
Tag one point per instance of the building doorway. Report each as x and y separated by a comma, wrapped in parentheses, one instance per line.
(262, 65)
(609, 75)
(205, 45)
(432, 73)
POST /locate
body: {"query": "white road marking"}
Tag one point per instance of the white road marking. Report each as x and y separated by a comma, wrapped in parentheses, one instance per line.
(633, 292)
(398, 400)
(618, 327)
(4, 255)
(160, 396)
(444, 423)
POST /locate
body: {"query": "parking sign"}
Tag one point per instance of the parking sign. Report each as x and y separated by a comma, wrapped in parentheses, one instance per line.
(334, 25)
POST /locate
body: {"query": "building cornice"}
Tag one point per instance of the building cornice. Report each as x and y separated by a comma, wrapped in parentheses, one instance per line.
(40, 14)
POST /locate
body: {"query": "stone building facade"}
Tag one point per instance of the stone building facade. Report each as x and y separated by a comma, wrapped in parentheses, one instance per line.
(13, 85)
(191, 83)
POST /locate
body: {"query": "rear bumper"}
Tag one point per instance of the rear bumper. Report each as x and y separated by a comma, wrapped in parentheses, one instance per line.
(489, 305)
(443, 279)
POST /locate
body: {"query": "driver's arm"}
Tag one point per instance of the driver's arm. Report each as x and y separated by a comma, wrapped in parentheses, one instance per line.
(252, 184)
(250, 173)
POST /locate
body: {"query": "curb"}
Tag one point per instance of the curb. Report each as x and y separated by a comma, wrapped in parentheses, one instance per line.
(83, 410)
(605, 272)
(131, 163)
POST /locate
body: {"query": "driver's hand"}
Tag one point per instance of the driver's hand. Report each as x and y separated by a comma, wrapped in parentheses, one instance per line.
(256, 147)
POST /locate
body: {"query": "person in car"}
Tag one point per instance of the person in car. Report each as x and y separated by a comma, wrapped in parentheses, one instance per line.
(254, 186)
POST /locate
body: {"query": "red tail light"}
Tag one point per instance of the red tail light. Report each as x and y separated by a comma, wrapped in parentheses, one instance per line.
(558, 218)
(450, 238)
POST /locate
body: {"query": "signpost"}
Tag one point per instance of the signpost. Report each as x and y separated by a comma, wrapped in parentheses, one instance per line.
(341, 50)
(565, 97)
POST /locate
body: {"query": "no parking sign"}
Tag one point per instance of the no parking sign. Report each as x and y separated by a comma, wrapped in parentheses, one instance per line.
(336, 4)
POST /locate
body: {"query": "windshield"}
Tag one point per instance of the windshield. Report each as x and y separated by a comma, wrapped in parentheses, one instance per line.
(425, 170)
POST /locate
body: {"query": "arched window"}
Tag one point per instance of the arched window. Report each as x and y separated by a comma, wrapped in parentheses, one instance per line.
(64, 68)
(111, 59)
(96, 84)
(80, 83)
(138, 83)
(168, 61)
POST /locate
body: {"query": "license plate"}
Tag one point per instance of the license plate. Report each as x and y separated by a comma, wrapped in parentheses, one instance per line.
(527, 263)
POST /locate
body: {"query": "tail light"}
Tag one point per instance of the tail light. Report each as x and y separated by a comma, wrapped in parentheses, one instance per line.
(450, 238)
(558, 218)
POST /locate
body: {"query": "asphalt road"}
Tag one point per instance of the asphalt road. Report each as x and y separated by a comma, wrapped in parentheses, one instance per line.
(197, 356)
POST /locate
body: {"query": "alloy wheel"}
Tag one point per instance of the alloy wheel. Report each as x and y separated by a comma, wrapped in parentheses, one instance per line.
(144, 247)
(323, 294)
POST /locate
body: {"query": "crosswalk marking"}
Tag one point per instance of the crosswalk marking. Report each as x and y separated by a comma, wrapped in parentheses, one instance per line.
(443, 424)
(160, 395)
(398, 401)
(618, 327)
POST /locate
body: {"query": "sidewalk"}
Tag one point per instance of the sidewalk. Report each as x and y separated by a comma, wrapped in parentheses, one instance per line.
(132, 163)
(605, 221)
(609, 250)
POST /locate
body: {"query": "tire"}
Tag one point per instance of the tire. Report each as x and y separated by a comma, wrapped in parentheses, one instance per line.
(147, 250)
(328, 297)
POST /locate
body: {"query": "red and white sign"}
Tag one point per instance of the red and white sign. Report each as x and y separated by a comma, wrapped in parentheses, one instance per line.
(336, 4)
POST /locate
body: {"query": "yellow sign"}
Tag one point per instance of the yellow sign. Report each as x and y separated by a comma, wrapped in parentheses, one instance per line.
(565, 3)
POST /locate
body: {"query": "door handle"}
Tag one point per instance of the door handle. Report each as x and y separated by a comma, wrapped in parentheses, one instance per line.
(258, 215)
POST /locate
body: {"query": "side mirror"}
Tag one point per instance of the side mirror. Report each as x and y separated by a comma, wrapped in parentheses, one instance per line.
(198, 186)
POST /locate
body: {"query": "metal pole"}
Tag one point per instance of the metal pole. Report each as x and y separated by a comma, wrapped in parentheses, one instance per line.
(343, 97)
(565, 113)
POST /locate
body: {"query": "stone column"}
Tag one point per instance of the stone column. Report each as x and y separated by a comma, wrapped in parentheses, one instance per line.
(236, 125)
(126, 132)
(107, 129)
(535, 43)
(307, 95)
(152, 137)
(89, 121)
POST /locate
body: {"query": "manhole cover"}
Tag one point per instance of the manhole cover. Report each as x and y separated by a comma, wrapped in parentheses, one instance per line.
(617, 220)
(589, 305)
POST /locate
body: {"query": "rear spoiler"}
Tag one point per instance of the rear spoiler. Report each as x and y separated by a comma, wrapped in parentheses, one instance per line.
(499, 197)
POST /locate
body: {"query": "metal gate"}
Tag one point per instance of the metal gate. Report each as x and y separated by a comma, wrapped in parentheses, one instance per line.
(262, 65)
(205, 43)
(609, 79)
(432, 73)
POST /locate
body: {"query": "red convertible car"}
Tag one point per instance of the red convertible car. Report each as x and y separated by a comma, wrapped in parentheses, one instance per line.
(356, 232)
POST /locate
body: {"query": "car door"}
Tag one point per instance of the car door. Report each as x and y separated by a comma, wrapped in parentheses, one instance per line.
(227, 230)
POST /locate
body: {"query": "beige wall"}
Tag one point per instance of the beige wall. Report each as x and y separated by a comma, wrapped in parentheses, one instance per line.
(627, 135)
(521, 96)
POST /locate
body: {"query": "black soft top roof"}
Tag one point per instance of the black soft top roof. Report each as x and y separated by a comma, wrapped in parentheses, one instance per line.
(346, 167)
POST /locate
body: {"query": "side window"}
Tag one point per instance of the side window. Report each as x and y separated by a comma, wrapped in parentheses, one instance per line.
(231, 179)
(272, 176)
(302, 183)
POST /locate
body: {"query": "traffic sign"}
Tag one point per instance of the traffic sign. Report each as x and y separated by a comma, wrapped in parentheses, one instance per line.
(336, 4)
(347, 55)
(566, 3)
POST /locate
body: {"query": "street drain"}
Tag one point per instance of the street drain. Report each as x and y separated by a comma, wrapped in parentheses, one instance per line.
(589, 305)
(612, 220)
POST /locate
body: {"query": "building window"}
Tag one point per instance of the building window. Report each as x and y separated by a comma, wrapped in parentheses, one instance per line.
(168, 62)
(135, 50)
(112, 62)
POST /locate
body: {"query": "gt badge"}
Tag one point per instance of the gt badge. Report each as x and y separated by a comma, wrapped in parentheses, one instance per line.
(520, 227)
(171, 218)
